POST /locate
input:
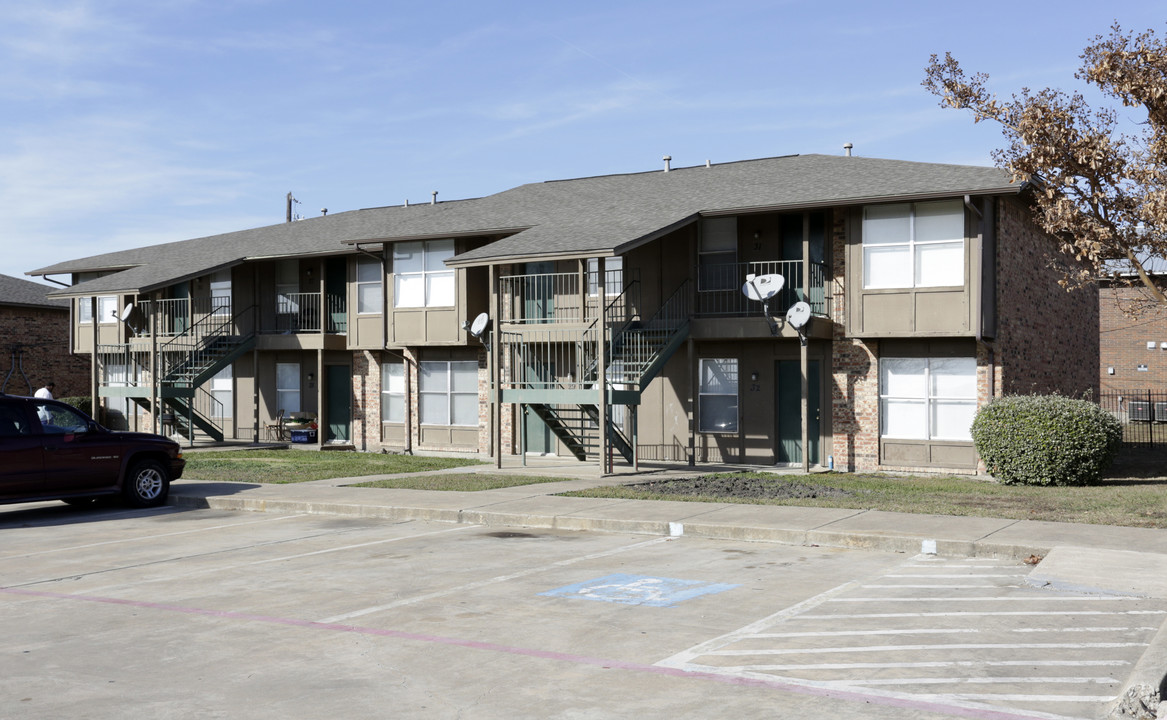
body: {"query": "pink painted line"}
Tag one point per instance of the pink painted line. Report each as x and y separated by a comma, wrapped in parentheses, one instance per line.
(854, 696)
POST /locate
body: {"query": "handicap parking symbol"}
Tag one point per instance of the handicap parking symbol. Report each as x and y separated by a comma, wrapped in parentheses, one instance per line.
(638, 590)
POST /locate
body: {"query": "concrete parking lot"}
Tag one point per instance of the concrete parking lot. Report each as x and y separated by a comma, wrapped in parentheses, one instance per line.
(195, 613)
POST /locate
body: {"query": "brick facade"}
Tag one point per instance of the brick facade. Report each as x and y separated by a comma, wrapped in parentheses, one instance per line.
(1039, 321)
(1135, 347)
(34, 348)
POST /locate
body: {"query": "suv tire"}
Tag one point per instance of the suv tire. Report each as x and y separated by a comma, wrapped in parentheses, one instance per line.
(146, 485)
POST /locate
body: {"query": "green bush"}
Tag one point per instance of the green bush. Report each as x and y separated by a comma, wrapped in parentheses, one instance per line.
(81, 403)
(1046, 440)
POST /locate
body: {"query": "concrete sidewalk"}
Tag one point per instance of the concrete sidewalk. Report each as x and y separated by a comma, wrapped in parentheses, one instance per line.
(1094, 558)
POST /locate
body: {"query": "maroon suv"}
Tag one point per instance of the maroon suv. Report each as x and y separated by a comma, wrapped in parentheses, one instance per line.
(52, 451)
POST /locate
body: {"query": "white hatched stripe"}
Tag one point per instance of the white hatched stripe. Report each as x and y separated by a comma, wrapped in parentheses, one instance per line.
(1029, 698)
(857, 633)
(990, 613)
(901, 648)
(982, 598)
(1084, 629)
(981, 681)
(937, 664)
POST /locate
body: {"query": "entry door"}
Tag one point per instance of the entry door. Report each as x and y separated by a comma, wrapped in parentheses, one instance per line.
(340, 406)
(539, 437)
(789, 404)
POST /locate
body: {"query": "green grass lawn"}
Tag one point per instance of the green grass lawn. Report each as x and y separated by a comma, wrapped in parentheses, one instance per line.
(1134, 495)
(293, 466)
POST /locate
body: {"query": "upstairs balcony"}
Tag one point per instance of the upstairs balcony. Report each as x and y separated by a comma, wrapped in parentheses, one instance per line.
(719, 288)
(285, 313)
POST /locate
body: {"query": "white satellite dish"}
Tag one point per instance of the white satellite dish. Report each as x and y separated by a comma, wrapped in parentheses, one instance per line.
(763, 287)
(127, 311)
(798, 315)
(479, 325)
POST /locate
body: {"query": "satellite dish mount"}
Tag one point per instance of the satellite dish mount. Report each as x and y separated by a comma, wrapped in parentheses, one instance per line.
(762, 288)
(479, 327)
(797, 317)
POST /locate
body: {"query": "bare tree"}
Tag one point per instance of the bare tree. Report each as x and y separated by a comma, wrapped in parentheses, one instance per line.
(1099, 190)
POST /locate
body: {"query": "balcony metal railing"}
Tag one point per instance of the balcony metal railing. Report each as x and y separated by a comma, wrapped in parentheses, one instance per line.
(548, 359)
(300, 313)
(561, 298)
(719, 287)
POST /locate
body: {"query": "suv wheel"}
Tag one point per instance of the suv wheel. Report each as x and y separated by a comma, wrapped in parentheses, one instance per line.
(146, 484)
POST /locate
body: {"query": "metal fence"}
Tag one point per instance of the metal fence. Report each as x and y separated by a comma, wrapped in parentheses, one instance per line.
(1143, 414)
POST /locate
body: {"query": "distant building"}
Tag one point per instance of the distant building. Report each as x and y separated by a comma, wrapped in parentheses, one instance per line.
(34, 342)
(1132, 348)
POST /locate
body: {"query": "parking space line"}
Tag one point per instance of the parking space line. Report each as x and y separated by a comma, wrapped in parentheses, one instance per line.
(935, 664)
(991, 598)
(154, 536)
(985, 613)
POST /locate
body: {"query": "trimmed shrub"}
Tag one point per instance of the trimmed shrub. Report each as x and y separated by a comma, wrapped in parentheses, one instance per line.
(81, 403)
(1046, 440)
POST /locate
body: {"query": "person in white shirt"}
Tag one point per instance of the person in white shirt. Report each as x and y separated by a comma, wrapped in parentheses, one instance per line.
(45, 393)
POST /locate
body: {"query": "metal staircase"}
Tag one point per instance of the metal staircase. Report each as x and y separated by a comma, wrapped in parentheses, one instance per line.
(184, 364)
(637, 352)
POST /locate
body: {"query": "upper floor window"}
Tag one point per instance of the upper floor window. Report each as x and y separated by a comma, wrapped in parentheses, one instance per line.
(613, 276)
(107, 309)
(717, 255)
(221, 293)
(368, 285)
(913, 245)
(420, 275)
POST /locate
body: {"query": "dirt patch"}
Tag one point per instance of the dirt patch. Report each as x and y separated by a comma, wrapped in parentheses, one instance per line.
(743, 486)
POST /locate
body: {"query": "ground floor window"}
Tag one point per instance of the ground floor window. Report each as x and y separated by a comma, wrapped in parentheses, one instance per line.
(448, 392)
(717, 400)
(393, 392)
(288, 387)
(927, 398)
(221, 389)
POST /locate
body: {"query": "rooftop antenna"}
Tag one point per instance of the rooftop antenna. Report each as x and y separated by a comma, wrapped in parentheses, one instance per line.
(291, 200)
(762, 288)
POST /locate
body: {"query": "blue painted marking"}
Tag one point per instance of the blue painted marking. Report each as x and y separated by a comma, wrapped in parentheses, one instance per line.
(639, 590)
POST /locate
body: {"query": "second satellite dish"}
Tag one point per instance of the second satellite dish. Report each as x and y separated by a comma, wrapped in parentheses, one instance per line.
(479, 325)
(763, 287)
(798, 315)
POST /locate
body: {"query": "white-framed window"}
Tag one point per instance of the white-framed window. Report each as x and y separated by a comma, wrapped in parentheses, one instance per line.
(927, 398)
(717, 255)
(221, 293)
(288, 387)
(369, 297)
(393, 392)
(913, 245)
(613, 276)
(420, 275)
(287, 287)
(222, 385)
(448, 392)
(717, 399)
(107, 309)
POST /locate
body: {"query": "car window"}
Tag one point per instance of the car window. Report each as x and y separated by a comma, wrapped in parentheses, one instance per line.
(61, 419)
(13, 423)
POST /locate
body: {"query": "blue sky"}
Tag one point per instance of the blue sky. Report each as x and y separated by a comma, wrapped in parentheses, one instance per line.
(129, 123)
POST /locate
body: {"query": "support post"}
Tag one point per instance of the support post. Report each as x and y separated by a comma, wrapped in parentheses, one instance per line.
(803, 361)
(602, 363)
